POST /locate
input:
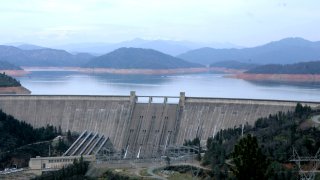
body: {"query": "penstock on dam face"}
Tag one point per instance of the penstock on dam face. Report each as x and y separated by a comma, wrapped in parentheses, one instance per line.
(141, 127)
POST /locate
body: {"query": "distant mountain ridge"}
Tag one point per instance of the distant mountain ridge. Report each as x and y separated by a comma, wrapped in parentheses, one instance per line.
(42, 57)
(30, 47)
(285, 51)
(138, 58)
(166, 46)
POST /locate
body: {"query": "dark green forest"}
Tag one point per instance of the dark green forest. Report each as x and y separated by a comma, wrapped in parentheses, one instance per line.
(7, 81)
(19, 141)
(275, 136)
(298, 68)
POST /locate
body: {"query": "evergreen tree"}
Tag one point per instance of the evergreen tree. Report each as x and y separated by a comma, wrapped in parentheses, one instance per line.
(249, 161)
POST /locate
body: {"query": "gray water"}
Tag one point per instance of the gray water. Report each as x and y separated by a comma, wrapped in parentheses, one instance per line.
(198, 85)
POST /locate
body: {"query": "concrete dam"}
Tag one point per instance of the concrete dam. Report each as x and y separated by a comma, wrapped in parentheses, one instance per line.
(142, 127)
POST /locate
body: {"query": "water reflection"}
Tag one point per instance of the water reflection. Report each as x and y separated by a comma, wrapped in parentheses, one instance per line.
(312, 85)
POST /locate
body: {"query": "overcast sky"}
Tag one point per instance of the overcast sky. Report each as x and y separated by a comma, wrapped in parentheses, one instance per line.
(242, 22)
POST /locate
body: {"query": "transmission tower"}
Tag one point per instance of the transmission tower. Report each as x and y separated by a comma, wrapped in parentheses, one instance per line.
(306, 173)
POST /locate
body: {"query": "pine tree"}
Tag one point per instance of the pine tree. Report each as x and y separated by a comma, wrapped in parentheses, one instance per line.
(249, 161)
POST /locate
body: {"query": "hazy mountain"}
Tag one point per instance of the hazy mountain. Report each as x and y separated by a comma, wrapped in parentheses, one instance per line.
(30, 47)
(166, 46)
(234, 65)
(42, 57)
(297, 68)
(25, 46)
(285, 51)
(4, 65)
(138, 58)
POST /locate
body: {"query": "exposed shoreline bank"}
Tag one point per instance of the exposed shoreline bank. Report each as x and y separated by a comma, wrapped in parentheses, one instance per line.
(119, 71)
(232, 73)
(15, 72)
(134, 71)
(278, 77)
(14, 90)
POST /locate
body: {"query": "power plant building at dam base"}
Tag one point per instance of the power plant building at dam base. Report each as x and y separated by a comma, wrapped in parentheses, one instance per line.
(142, 124)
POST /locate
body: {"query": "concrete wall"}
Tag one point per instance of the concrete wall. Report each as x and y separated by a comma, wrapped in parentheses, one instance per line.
(106, 115)
(203, 117)
(151, 128)
(144, 127)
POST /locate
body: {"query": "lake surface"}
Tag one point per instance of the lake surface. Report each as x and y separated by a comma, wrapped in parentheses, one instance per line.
(198, 85)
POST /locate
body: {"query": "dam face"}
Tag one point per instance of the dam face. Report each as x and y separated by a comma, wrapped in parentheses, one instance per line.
(143, 128)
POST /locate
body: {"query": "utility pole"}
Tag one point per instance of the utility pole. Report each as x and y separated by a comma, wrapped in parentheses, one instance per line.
(49, 150)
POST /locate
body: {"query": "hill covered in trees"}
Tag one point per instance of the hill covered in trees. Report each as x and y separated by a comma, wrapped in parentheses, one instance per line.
(298, 68)
(138, 58)
(42, 57)
(234, 65)
(285, 51)
(8, 81)
(276, 136)
(19, 141)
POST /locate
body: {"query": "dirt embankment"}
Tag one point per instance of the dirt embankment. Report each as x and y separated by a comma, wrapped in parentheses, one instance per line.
(14, 90)
(15, 72)
(119, 71)
(143, 71)
(136, 71)
(227, 70)
(279, 77)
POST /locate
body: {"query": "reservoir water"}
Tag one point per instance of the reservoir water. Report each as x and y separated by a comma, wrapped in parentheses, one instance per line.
(198, 85)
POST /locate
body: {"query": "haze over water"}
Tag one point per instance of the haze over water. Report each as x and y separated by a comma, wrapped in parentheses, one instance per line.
(197, 85)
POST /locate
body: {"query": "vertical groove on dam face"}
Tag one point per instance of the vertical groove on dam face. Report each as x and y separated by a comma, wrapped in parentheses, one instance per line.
(150, 128)
(145, 127)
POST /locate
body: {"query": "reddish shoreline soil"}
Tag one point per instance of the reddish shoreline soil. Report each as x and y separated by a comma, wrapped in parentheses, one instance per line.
(236, 73)
(120, 71)
(227, 70)
(14, 90)
(15, 72)
(278, 77)
(144, 71)
(135, 71)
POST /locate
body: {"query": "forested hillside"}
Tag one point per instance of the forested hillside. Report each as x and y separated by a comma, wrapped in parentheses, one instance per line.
(138, 58)
(42, 57)
(276, 136)
(298, 68)
(8, 81)
(17, 138)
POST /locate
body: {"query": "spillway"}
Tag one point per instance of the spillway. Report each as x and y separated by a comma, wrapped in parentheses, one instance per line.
(144, 127)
